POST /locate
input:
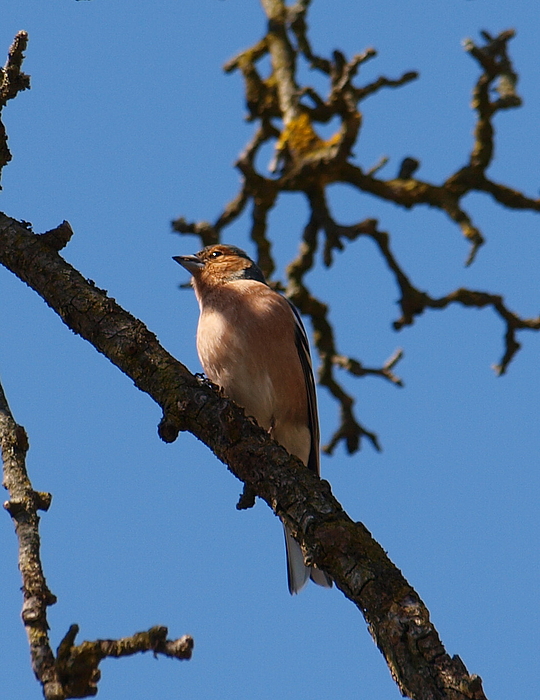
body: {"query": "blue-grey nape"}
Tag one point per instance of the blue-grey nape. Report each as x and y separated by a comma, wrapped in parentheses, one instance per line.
(253, 272)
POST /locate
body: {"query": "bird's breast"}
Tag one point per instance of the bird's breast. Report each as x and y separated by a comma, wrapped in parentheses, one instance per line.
(246, 345)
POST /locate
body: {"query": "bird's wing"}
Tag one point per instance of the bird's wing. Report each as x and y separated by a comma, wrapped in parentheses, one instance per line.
(302, 345)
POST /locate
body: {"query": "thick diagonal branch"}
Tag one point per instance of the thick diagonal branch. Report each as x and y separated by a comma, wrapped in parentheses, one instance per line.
(396, 617)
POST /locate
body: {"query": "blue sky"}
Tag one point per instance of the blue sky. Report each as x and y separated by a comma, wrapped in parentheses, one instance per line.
(130, 123)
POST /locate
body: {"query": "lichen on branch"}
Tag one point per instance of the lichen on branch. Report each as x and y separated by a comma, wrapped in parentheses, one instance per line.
(287, 114)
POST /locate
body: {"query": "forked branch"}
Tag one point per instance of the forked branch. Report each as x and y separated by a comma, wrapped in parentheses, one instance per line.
(287, 114)
(73, 672)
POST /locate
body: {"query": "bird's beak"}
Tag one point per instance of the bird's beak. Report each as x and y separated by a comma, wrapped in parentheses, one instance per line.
(191, 262)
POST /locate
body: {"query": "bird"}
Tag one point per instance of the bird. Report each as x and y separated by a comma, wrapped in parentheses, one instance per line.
(251, 342)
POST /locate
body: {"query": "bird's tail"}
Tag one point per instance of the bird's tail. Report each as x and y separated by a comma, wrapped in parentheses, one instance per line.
(298, 573)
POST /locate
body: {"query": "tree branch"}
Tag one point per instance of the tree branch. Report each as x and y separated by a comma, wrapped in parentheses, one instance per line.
(78, 666)
(397, 619)
(350, 430)
(73, 673)
(12, 81)
(23, 505)
(304, 162)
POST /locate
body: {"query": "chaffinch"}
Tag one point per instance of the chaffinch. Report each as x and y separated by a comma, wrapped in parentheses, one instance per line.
(252, 343)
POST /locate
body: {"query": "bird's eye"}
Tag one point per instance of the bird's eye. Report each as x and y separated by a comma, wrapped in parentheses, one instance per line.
(215, 253)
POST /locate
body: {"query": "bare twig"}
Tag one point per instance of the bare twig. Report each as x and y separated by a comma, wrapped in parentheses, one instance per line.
(12, 81)
(78, 666)
(306, 163)
(350, 430)
(300, 151)
(357, 369)
(206, 232)
(23, 505)
(74, 672)
(414, 302)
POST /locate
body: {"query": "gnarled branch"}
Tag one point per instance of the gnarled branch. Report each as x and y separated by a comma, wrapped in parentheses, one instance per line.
(397, 619)
(73, 672)
(12, 81)
(304, 162)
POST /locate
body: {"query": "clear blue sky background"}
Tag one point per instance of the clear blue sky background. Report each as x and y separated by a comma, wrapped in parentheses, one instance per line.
(130, 123)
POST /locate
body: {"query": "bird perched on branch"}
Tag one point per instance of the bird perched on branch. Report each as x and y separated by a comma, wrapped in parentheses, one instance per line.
(252, 343)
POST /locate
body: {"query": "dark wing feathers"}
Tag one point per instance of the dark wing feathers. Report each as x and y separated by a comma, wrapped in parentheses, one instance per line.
(302, 345)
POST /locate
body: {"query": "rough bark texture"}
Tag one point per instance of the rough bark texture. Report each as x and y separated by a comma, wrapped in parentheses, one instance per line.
(397, 618)
(74, 671)
(287, 114)
(23, 505)
(12, 81)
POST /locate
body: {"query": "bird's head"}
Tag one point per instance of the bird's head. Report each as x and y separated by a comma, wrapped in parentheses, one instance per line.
(220, 264)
